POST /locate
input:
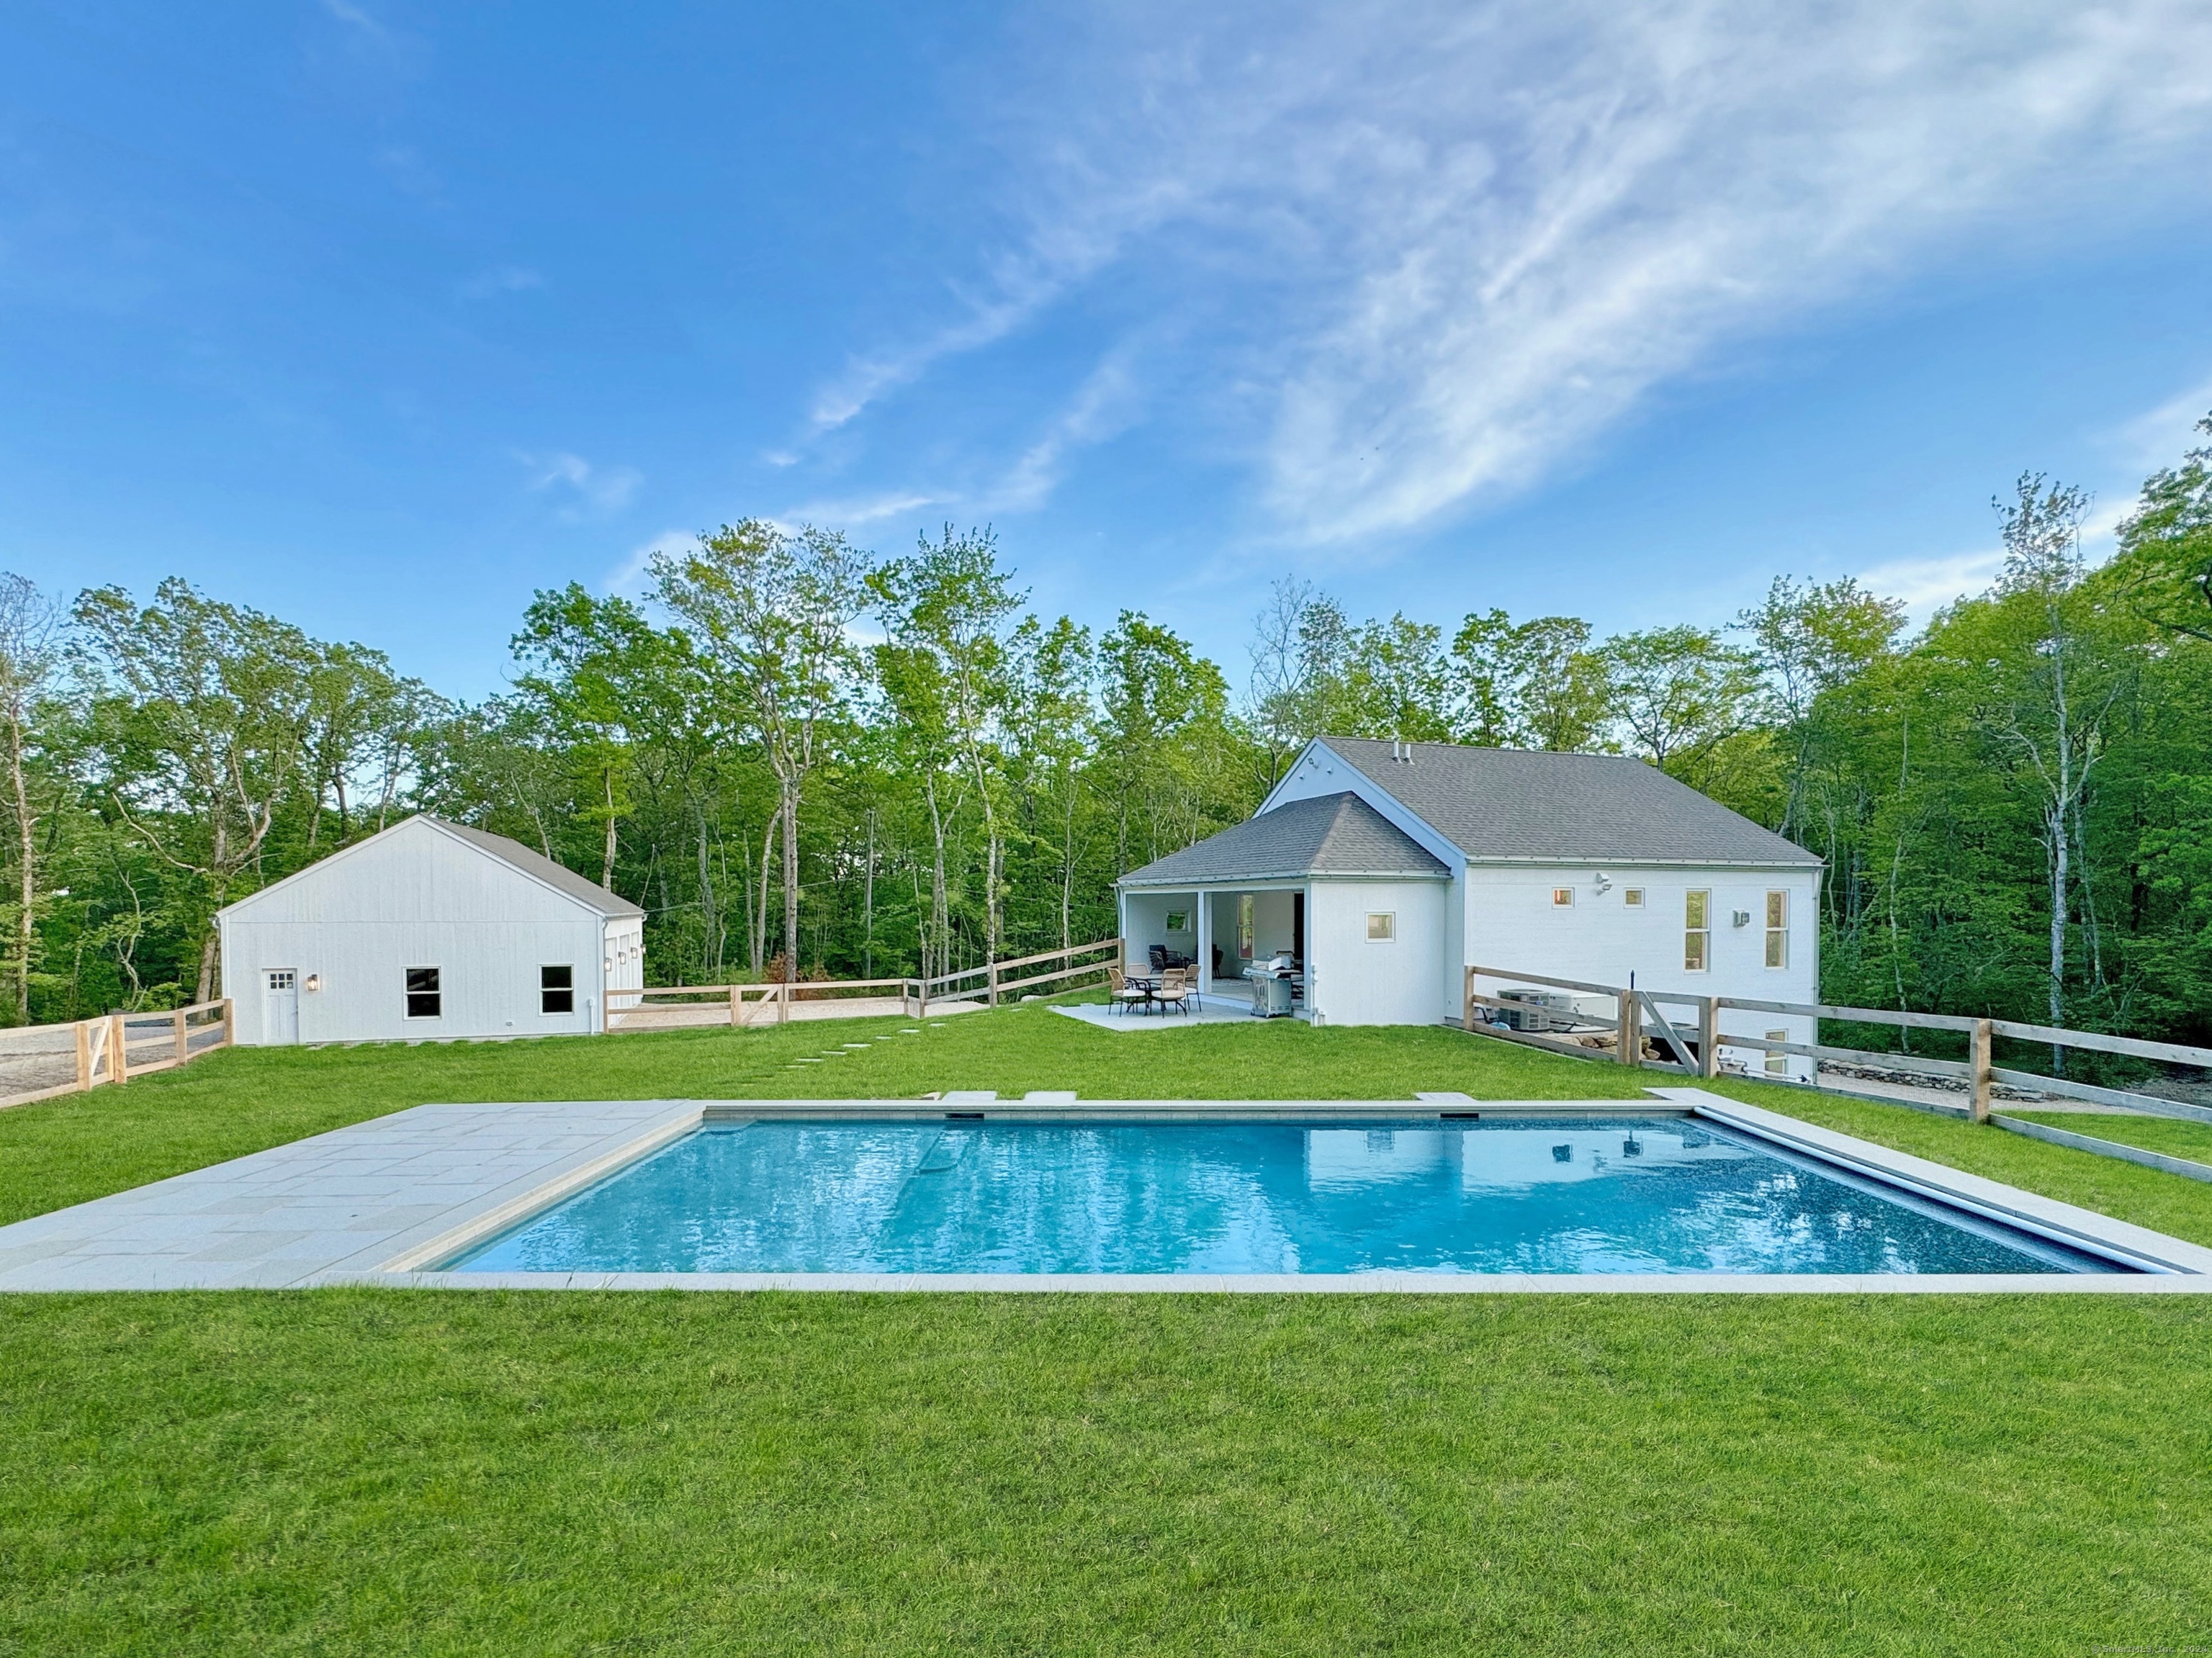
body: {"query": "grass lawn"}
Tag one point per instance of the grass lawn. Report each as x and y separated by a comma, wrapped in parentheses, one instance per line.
(380, 1471)
(2174, 1136)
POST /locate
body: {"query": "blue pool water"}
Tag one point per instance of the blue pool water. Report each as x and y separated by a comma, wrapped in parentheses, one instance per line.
(1616, 1195)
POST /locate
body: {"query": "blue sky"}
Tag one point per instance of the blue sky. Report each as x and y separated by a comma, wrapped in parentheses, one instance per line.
(380, 316)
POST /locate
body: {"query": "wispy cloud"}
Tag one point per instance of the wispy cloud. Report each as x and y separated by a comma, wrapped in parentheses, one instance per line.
(600, 488)
(502, 279)
(1105, 403)
(627, 578)
(1456, 244)
(859, 511)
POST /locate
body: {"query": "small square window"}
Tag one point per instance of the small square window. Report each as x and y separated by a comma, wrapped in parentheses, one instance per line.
(1563, 897)
(1632, 896)
(424, 1000)
(556, 990)
(1382, 925)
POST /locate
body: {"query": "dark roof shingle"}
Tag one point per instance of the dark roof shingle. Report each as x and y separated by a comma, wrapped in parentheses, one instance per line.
(1329, 834)
(1500, 805)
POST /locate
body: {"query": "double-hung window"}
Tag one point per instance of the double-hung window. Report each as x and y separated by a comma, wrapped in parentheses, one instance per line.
(556, 990)
(1697, 932)
(1778, 929)
(424, 999)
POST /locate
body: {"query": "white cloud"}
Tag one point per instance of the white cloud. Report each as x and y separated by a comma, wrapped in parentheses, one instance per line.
(627, 578)
(2158, 436)
(600, 488)
(851, 514)
(1926, 585)
(504, 279)
(1105, 403)
(1455, 244)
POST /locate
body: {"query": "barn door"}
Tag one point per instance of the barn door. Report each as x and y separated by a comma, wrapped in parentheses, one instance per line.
(280, 1006)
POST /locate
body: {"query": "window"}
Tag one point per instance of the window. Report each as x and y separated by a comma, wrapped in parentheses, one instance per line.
(1382, 925)
(1178, 920)
(281, 978)
(1563, 897)
(423, 999)
(556, 990)
(1778, 929)
(1777, 1065)
(1632, 896)
(1244, 925)
(1696, 931)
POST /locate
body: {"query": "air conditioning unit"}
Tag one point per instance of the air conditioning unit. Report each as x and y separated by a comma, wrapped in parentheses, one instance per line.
(1539, 1011)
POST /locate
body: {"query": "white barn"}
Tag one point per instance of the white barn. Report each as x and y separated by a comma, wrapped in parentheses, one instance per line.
(1386, 869)
(428, 930)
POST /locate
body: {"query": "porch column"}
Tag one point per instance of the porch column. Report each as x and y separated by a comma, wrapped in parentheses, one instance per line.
(1205, 939)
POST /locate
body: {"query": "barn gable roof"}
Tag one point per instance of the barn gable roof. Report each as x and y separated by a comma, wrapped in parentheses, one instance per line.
(1329, 835)
(516, 856)
(1514, 805)
(559, 876)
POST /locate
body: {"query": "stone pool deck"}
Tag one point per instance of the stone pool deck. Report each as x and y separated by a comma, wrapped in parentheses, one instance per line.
(379, 1202)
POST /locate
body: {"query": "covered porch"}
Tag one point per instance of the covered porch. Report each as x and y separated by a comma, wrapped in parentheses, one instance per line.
(1222, 931)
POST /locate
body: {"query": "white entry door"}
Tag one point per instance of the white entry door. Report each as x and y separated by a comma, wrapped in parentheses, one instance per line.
(280, 1006)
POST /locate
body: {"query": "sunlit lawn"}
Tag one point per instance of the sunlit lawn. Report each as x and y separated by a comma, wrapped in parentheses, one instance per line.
(380, 1471)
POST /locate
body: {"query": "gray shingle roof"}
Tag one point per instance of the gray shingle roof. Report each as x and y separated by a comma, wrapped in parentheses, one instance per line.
(557, 875)
(1331, 835)
(1500, 805)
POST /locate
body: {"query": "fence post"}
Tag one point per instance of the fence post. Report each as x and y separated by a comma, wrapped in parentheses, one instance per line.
(1627, 1029)
(119, 1054)
(737, 1000)
(177, 1026)
(1709, 1036)
(83, 1056)
(229, 1028)
(1466, 999)
(993, 968)
(1982, 1081)
(783, 1003)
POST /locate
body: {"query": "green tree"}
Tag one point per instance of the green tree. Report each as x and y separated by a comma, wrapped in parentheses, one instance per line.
(771, 613)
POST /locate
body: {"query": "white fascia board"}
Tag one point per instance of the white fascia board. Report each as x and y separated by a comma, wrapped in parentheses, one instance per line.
(1269, 883)
(1639, 863)
(318, 866)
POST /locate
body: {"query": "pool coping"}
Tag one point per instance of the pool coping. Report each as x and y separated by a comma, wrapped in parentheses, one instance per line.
(2163, 1265)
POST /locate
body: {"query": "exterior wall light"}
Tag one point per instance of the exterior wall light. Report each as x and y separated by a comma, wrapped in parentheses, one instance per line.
(314, 981)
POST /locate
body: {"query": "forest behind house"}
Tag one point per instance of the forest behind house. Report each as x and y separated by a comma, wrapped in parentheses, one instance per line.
(803, 758)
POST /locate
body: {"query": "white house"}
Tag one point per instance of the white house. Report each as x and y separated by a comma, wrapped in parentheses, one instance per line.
(1386, 869)
(429, 929)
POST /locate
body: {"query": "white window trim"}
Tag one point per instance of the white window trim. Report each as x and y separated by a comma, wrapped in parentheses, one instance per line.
(440, 993)
(1389, 920)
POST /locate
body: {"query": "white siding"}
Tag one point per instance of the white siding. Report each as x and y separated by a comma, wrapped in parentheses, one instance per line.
(418, 897)
(1356, 979)
(1512, 923)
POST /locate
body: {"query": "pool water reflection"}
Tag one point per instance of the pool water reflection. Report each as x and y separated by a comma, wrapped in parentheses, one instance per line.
(1502, 1195)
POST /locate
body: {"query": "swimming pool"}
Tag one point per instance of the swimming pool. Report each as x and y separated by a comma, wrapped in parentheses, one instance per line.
(1627, 1194)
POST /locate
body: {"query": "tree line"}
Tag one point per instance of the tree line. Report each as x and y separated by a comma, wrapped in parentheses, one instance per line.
(805, 760)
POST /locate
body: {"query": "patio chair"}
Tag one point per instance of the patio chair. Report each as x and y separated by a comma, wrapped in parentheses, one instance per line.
(1122, 994)
(1176, 990)
(1158, 953)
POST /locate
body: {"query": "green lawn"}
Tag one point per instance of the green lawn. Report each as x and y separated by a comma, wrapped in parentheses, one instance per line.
(366, 1471)
(2171, 1135)
(382, 1472)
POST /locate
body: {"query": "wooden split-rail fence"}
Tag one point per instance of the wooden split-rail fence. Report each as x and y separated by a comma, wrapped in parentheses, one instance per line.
(752, 1005)
(43, 1061)
(1691, 1046)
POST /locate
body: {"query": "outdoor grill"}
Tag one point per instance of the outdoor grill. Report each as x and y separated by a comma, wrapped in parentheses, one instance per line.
(1273, 985)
